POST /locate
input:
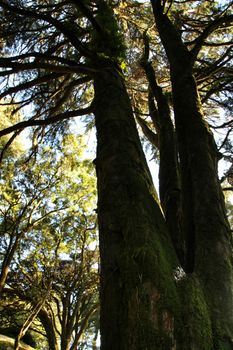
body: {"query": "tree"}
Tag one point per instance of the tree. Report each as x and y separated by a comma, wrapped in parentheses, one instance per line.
(197, 150)
(57, 223)
(63, 299)
(146, 271)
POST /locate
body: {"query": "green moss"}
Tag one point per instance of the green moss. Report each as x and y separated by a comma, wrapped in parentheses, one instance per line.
(196, 331)
(151, 291)
(221, 342)
(109, 43)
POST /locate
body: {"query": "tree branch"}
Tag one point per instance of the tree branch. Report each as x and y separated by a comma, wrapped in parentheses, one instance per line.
(39, 81)
(227, 188)
(150, 135)
(224, 125)
(88, 14)
(224, 43)
(200, 41)
(54, 22)
(8, 143)
(177, 52)
(19, 67)
(225, 139)
(215, 67)
(29, 84)
(48, 121)
(45, 56)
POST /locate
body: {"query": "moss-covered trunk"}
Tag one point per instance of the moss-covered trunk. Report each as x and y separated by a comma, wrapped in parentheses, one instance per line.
(205, 223)
(207, 230)
(138, 296)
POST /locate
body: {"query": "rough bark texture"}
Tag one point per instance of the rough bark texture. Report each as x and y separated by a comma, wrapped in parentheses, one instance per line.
(206, 226)
(138, 296)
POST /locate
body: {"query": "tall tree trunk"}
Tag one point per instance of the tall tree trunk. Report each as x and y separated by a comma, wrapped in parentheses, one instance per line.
(138, 294)
(206, 226)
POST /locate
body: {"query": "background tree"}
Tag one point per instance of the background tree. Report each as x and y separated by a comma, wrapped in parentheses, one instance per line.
(58, 223)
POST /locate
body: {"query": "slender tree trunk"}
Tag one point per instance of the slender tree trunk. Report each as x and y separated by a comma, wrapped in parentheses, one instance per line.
(49, 328)
(13, 245)
(3, 276)
(169, 173)
(65, 339)
(206, 226)
(138, 296)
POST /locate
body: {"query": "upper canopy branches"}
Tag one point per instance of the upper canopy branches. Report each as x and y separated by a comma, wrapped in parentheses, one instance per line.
(50, 53)
(52, 50)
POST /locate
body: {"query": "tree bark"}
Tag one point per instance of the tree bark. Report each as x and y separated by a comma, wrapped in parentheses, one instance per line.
(138, 296)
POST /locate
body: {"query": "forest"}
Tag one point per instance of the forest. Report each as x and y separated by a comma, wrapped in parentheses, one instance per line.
(116, 175)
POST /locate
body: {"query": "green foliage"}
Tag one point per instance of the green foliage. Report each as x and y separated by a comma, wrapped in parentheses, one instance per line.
(47, 206)
(7, 343)
(109, 43)
(8, 117)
